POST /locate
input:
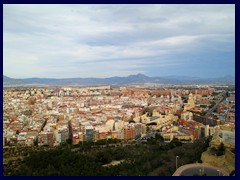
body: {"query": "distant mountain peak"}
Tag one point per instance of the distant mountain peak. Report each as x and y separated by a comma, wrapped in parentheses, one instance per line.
(6, 77)
(228, 76)
(138, 75)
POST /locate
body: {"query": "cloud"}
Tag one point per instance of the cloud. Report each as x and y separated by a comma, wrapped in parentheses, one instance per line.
(88, 40)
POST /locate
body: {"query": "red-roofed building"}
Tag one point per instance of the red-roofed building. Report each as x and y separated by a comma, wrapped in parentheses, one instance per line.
(75, 139)
(109, 117)
(189, 131)
(102, 135)
(45, 138)
(179, 112)
(204, 92)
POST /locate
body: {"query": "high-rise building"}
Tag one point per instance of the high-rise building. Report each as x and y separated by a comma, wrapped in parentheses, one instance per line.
(129, 132)
(207, 130)
(143, 129)
(89, 133)
(63, 135)
(138, 130)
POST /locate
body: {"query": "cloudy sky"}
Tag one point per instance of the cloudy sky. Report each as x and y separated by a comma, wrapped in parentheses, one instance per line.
(63, 41)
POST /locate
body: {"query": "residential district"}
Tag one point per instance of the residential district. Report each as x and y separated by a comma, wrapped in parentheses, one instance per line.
(53, 116)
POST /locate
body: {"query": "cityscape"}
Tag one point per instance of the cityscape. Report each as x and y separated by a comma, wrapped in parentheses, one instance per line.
(110, 90)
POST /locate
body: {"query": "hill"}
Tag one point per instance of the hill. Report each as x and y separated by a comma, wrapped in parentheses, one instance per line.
(132, 79)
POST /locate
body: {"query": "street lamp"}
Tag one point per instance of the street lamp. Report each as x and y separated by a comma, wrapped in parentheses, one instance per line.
(177, 162)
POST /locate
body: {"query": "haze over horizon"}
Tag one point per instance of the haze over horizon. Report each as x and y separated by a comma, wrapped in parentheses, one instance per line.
(139, 74)
(68, 41)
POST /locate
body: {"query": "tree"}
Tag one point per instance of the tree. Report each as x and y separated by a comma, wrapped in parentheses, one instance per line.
(69, 141)
(221, 147)
(232, 173)
(221, 150)
(176, 142)
(159, 137)
(104, 157)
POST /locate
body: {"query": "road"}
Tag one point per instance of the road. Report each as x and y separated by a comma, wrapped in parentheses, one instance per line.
(199, 170)
(210, 111)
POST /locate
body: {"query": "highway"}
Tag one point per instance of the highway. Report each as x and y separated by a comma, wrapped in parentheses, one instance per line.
(210, 111)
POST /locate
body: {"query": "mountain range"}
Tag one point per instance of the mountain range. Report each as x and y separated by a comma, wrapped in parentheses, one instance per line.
(132, 79)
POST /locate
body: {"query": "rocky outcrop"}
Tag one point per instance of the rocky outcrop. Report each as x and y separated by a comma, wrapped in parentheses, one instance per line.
(225, 161)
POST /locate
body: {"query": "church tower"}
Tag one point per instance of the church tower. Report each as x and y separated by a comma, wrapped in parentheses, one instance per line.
(190, 103)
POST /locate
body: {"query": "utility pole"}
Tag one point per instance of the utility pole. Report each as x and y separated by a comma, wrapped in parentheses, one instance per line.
(177, 162)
